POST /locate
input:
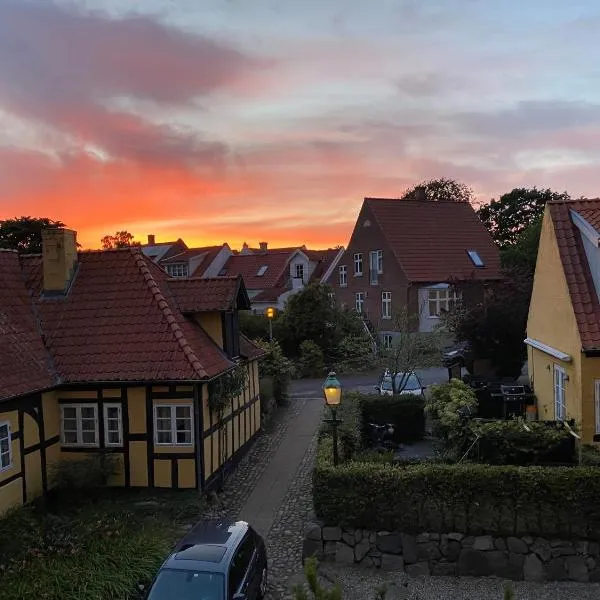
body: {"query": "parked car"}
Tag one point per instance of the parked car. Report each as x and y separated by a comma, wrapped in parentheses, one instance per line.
(216, 560)
(412, 384)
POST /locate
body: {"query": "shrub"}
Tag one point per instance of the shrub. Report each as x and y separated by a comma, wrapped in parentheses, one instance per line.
(590, 456)
(472, 499)
(318, 592)
(355, 354)
(509, 443)
(350, 429)
(312, 361)
(277, 367)
(84, 474)
(406, 412)
(265, 385)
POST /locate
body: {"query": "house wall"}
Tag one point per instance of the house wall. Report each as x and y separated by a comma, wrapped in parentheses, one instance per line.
(367, 236)
(211, 323)
(36, 441)
(552, 321)
(218, 263)
(300, 259)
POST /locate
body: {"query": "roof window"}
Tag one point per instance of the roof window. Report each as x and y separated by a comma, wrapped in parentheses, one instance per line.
(475, 258)
(262, 270)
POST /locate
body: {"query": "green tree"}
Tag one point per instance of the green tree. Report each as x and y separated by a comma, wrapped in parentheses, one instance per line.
(440, 190)
(509, 216)
(25, 233)
(121, 239)
(275, 366)
(522, 254)
(312, 362)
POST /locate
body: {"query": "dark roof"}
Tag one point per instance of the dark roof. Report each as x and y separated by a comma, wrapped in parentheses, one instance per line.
(575, 265)
(25, 364)
(249, 349)
(248, 265)
(209, 294)
(271, 294)
(430, 239)
(323, 258)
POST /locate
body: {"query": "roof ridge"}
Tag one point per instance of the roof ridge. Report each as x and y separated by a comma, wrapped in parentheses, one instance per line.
(167, 312)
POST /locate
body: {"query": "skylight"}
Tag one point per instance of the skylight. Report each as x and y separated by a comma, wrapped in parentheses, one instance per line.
(262, 270)
(474, 256)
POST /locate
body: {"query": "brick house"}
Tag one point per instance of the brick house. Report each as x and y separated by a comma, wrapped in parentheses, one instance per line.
(407, 253)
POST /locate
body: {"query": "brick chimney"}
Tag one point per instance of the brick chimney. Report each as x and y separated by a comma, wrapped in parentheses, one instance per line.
(59, 252)
(263, 246)
(151, 239)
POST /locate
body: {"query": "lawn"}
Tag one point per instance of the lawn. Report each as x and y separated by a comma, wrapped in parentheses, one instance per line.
(94, 549)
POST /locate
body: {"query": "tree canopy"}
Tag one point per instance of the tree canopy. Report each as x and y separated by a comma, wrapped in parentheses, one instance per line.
(440, 190)
(509, 216)
(121, 239)
(25, 233)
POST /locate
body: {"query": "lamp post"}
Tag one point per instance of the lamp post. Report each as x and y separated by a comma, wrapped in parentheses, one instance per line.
(270, 312)
(332, 390)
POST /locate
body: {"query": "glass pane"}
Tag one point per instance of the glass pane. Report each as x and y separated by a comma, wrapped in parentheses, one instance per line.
(69, 412)
(433, 294)
(163, 425)
(432, 307)
(70, 437)
(88, 437)
(163, 437)
(112, 412)
(163, 412)
(88, 412)
(182, 424)
(3, 445)
(182, 412)
(88, 424)
(113, 437)
(70, 424)
(184, 437)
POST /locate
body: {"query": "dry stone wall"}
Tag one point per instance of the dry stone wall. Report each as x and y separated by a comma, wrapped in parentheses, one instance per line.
(517, 558)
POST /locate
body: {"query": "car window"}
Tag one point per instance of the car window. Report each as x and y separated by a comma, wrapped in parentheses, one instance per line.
(386, 384)
(412, 383)
(239, 564)
(187, 585)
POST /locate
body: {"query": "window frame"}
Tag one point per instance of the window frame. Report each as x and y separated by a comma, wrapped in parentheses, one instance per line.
(343, 270)
(9, 452)
(79, 422)
(560, 400)
(173, 429)
(450, 295)
(379, 262)
(385, 338)
(299, 268)
(178, 270)
(386, 305)
(362, 302)
(358, 264)
(476, 258)
(105, 407)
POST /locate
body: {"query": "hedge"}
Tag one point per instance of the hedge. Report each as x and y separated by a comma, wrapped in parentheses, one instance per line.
(405, 411)
(470, 499)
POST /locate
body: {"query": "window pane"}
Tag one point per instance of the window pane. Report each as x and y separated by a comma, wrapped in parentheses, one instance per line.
(113, 437)
(3, 444)
(88, 424)
(112, 412)
(70, 437)
(433, 307)
(88, 437)
(182, 412)
(163, 437)
(163, 412)
(88, 412)
(433, 294)
(69, 412)
(70, 424)
(184, 437)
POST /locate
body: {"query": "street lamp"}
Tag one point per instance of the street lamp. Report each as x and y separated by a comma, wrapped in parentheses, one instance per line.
(270, 312)
(332, 390)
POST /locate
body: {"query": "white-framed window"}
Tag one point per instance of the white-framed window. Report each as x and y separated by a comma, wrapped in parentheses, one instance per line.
(332, 299)
(359, 302)
(343, 276)
(79, 425)
(178, 270)
(173, 425)
(299, 271)
(597, 402)
(5, 446)
(113, 424)
(386, 305)
(442, 300)
(560, 406)
(262, 270)
(358, 270)
(375, 265)
(387, 341)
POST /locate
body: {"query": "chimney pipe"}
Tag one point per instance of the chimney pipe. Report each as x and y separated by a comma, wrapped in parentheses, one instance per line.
(151, 239)
(263, 246)
(59, 256)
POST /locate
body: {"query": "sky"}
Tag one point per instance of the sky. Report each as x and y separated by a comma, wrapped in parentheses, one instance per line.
(270, 120)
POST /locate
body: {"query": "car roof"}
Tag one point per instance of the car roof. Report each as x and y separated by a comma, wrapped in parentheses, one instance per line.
(208, 546)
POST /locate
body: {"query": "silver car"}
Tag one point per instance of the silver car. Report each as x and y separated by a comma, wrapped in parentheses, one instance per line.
(412, 384)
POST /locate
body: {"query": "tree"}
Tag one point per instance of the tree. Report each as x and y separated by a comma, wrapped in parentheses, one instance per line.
(411, 349)
(25, 233)
(275, 366)
(522, 255)
(121, 239)
(509, 216)
(440, 190)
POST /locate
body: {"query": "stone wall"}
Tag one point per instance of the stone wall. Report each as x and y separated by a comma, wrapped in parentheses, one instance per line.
(532, 559)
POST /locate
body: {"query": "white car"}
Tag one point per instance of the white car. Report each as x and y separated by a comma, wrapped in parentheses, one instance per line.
(412, 384)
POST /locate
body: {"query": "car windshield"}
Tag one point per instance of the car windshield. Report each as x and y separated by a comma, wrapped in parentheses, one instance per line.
(174, 584)
(386, 384)
(411, 383)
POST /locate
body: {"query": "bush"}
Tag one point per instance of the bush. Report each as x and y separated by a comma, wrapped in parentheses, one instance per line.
(405, 411)
(590, 456)
(312, 361)
(472, 499)
(85, 474)
(355, 354)
(350, 429)
(254, 326)
(277, 367)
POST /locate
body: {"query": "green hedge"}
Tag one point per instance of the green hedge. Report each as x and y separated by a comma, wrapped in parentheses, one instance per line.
(472, 499)
(405, 411)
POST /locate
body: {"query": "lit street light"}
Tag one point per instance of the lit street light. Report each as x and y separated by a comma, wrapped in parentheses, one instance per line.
(332, 390)
(270, 312)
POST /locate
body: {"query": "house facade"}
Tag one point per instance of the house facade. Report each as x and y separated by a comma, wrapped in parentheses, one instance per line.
(410, 253)
(102, 352)
(563, 328)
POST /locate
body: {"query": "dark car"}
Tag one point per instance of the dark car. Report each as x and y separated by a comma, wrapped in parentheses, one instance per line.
(216, 560)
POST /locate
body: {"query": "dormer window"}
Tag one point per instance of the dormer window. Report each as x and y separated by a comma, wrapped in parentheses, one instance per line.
(262, 270)
(475, 258)
(178, 270)
(299, 272)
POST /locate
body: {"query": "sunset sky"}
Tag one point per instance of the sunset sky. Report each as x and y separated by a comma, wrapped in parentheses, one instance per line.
(252, 120)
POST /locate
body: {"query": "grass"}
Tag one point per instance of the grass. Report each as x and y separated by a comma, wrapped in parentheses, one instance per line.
(91, 549)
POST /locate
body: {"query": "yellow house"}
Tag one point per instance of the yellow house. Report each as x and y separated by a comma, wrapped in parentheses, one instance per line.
(101, 351)
(563, 329)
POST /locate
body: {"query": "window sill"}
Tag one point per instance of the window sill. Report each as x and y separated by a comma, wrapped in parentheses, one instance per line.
(358, 274)
(80, 446)
(387, 318)
(173, 445)
(343, 285)
(7, 468)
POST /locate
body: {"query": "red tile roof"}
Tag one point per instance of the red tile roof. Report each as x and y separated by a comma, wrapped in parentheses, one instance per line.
(206, 256)
(575, 265)
(209, 294)
(120, 322)
(430, 239)
(249, 349)
(270, 294)
(248, 265)
(323, 258)
(25, 365)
